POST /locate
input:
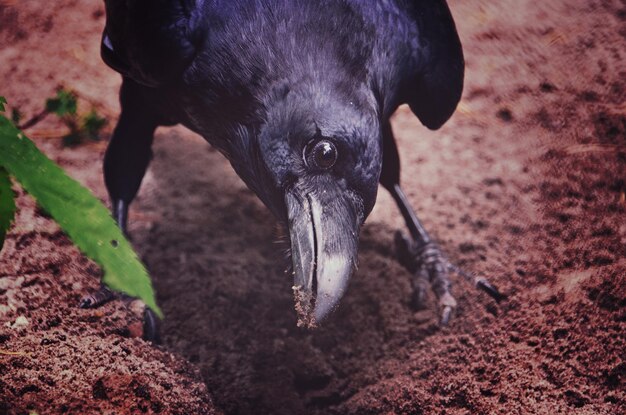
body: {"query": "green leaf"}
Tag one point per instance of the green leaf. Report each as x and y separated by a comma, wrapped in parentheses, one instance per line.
(3, 101)
(7, 205)
(63, 104)
(92, 123)
(85, 220)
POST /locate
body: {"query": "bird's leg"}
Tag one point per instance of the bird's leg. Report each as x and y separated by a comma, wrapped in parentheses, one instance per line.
(103, 295)
(119, 212)
(125, 164)
(424, 259)
(420, 254)
(93, 300)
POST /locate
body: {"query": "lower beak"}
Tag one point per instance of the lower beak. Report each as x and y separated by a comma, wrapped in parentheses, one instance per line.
(324, 236)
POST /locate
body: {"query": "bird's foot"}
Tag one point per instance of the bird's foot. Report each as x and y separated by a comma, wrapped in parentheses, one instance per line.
(429, 267)
(150, 320)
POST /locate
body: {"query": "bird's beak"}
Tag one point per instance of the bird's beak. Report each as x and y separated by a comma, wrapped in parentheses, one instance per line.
(323, 229)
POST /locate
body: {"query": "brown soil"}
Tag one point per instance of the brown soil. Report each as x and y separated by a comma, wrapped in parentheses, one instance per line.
(525, 184)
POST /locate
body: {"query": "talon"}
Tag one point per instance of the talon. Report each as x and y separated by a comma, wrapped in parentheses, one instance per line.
(448, 303)
(493, 292)
(480, 282)
(445, 315)
(151, 330)
(86, 302)
(96, 299)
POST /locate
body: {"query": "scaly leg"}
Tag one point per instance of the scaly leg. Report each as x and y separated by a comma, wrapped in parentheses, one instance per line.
(125, 164)
(420, 254)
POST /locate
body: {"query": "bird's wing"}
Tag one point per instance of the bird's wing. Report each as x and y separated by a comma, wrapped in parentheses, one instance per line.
(151, 41)
(433, 83)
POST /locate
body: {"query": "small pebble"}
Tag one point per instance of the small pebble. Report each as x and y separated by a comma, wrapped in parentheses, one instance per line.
(20, 322)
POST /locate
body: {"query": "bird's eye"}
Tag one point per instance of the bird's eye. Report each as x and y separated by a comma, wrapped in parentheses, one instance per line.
(320, 154)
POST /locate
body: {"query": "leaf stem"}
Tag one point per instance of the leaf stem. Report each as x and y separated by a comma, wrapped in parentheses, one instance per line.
(34, 120)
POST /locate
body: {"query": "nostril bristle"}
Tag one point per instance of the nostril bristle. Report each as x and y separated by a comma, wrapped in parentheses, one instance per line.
(281, 239)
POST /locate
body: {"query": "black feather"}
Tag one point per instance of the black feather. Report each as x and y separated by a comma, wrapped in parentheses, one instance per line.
(259, 78)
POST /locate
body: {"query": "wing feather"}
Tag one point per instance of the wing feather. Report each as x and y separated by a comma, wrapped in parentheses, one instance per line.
(151, 41)
(434, 86)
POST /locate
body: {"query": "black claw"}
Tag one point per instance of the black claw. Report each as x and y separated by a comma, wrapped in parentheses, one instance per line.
(151, 330)
(491, 290)
(96, 299)
(445, 316)
(481, 283)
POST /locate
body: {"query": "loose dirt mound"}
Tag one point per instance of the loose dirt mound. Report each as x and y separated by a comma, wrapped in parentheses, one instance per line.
(525, 184)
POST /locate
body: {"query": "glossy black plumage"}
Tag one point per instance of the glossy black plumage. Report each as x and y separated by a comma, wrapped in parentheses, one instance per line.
(262, 79)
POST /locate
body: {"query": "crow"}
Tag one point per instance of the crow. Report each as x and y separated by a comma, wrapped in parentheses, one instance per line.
(297, 95)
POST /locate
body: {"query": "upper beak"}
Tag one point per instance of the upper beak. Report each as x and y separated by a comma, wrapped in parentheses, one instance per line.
(323, 229)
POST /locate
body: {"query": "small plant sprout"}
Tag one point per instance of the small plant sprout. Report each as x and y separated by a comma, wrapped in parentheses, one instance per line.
(79, 214)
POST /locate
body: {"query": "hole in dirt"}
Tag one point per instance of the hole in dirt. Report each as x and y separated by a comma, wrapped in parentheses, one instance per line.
(228, 302)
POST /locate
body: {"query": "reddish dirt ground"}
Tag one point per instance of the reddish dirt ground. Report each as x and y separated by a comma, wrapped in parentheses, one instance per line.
(525, 184)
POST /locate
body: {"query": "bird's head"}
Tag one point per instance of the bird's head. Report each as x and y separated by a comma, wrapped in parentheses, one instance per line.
(315, 161)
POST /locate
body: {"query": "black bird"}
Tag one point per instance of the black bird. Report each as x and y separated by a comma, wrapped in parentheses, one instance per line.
(297, 94)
